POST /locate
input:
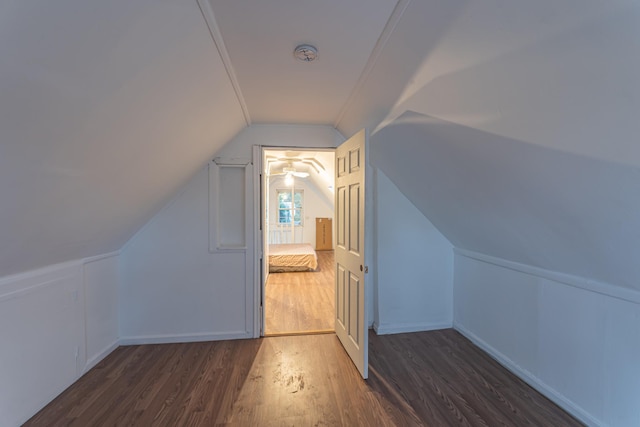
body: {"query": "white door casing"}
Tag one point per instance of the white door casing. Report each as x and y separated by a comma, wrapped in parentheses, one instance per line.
(260, 247)
(351, 318)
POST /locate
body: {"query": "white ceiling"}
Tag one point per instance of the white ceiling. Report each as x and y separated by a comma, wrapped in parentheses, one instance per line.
(107, 108)
(260, 37)
(562, 74)
(517, 134)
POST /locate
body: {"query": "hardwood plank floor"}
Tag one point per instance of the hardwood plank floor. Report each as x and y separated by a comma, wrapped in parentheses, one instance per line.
(301, 301)
(430, 378)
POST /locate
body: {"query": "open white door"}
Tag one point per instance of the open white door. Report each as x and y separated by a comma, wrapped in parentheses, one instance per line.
(351, 320)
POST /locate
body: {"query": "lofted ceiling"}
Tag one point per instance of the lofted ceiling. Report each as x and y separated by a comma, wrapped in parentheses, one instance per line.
(560, 74)
(515, 200)
(275, 87)
(522, 120)
(107, 108)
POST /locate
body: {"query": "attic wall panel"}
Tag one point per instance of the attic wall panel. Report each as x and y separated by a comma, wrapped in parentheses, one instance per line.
(578, 347)
(55, 324)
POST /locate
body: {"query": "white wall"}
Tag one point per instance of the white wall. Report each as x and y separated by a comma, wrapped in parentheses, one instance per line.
(173, 288)
(315, 205)
(55, 324)
(414, 261)
(576, 340)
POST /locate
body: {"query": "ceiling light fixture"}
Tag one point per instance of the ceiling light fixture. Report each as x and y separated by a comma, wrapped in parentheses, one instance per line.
(306, 53)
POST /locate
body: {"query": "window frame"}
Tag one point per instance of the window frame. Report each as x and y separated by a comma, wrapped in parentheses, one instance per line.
(292, 209)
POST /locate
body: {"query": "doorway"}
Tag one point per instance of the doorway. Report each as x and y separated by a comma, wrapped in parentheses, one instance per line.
(298, 236)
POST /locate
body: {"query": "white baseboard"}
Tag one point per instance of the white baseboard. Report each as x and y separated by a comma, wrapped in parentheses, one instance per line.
(98, 357)
(180, 338)
(401, 328)
(530, 379)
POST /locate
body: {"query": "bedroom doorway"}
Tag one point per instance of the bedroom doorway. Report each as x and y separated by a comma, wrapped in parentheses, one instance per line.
(298, 234)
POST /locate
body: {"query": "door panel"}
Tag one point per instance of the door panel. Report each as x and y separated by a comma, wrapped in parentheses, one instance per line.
(351, 322)
(340, 282)
(354, 218)
(340, 214)
(354, 291)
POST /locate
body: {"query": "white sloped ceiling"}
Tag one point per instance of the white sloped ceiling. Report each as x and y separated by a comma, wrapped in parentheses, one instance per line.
(513, 126)
(518, 136)
(515, 200)
(260, 37)
(106, 108)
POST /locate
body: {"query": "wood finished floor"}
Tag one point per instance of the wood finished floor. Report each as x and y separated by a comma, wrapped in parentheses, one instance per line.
(429, 379)
(301, 301)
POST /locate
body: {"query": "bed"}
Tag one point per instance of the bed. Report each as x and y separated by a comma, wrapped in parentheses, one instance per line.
(292, 257)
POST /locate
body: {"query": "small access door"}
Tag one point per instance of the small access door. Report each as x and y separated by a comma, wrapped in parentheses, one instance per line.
(351, 320)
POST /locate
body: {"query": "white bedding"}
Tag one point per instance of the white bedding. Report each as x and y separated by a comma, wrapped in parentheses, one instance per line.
(292, 257)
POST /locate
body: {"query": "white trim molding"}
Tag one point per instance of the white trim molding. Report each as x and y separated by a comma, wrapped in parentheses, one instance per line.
(401, 328)
(216, 35)
(391, 24)
(184, 338)
(98, 357)
(38, 276)
(603, 288)
(101, 257)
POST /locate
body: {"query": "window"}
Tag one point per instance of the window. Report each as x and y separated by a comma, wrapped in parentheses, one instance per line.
(287, 211)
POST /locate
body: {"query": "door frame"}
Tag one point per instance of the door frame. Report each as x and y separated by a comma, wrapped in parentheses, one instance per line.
(260, 266)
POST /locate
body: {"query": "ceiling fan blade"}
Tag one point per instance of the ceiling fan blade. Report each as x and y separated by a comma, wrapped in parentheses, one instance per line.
(313, 164)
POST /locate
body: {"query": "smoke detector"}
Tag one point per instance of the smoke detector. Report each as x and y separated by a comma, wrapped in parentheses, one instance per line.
(306, 53)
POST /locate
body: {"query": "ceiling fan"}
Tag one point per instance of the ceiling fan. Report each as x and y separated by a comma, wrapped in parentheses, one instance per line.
(289, 170)
(315, 164)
